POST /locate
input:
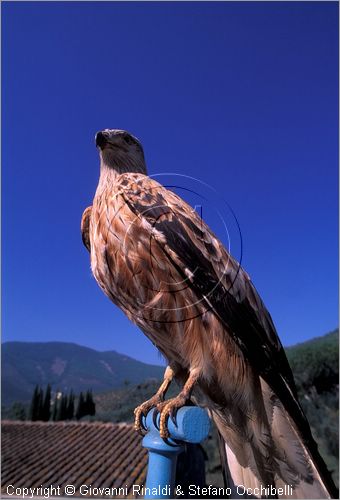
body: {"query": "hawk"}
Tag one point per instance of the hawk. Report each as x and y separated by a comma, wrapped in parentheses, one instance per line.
(155, 258)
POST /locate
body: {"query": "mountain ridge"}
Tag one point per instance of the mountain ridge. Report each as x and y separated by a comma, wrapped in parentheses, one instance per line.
(66, 365)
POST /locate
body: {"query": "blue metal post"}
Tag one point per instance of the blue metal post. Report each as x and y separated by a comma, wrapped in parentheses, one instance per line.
(193, 426)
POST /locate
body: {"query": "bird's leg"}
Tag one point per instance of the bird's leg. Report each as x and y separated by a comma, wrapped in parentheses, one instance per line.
(169, 408)
(144, 408)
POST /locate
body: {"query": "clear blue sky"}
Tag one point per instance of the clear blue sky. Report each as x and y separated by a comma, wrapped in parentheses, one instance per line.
(242, 96)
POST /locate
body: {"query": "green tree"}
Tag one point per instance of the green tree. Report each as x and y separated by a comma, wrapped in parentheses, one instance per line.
(55, 410)
(90, 406)
(62, 408)
(46, 405)
(55, 406)
(81, 407)
(34, 407)
(70, 406)
(40, 404)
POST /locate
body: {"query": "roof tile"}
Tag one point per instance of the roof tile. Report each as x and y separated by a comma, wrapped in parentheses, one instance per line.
(101, 455)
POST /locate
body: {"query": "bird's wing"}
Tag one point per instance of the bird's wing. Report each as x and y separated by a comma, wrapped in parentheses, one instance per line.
(85, 227)
(216, 277)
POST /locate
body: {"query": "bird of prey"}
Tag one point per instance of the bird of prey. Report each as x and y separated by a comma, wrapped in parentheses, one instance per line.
(155, 258)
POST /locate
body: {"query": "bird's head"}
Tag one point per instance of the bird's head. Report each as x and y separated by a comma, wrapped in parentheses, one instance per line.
(120, 151)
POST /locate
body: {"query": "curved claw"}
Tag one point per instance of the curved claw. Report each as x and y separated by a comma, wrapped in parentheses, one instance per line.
(140, 426)
(141, 413)
(169, 410)
(172, 443)
(154, 418)
(173, 415)
(143, 422)
(140, 430)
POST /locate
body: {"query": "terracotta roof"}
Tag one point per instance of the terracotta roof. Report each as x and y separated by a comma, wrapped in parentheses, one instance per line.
(43, 454)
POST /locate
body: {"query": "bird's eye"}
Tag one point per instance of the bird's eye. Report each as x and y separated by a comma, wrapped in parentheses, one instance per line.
(128, 139)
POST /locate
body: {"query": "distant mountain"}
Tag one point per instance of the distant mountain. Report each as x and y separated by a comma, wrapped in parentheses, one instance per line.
(66, 366)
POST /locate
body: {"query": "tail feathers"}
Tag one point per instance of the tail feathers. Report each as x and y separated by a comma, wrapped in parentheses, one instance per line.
(268, 458)
(298, 466)
(244, 483)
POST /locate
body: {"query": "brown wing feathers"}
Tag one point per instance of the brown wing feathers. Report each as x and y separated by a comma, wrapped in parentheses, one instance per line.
(85, 227)
(182, 230)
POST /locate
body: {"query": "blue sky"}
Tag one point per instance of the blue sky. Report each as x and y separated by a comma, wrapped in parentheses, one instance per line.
(241, 96)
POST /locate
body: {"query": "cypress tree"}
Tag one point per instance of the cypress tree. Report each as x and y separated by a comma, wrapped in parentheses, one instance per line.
(63, 407)
(65, 404)
(70, 406)
(46, 411)
(55, 409)
(34, 407)
(40, 404)
(80, 407)
(87, 403)
(90, 404)
(61, 412)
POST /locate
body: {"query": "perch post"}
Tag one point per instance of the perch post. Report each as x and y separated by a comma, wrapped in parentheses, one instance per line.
(193, 426)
